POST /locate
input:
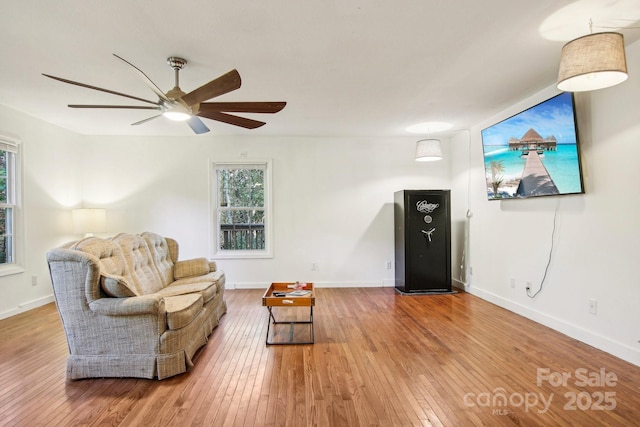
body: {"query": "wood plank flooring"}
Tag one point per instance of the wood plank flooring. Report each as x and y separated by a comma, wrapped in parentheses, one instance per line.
(380, 359)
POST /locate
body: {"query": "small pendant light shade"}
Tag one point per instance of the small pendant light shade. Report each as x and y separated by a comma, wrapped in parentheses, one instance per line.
(428, 150)
(591, 62)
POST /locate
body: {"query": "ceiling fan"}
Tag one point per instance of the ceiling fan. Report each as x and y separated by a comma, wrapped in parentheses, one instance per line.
(189, 107)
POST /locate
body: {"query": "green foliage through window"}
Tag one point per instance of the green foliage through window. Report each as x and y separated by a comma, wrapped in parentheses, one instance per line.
(241, 206)
(6, 206)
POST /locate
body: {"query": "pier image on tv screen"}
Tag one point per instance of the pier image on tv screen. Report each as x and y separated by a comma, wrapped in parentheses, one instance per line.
(534, 153)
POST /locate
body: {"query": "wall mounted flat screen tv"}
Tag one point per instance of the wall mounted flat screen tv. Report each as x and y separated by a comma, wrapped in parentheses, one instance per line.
(535, 152)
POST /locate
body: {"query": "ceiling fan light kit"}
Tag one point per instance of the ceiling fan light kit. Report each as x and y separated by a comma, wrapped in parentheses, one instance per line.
(189, 107)
(177, 116)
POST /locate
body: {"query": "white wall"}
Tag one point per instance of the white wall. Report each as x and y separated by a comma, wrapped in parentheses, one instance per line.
(332, 199)
(51, 178)
(596, 244)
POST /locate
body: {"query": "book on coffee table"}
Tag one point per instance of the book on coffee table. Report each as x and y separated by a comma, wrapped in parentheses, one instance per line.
(300, 293)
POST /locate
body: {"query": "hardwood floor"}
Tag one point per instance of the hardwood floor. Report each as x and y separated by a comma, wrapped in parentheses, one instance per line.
(379, 359)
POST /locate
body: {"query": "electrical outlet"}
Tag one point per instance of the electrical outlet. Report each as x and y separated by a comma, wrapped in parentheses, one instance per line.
(593, 306)
(388, 265)
(314, 266)
(512, 282)
(34, 280)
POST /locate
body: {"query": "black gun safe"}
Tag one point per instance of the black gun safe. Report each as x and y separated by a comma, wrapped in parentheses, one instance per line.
(422, 236)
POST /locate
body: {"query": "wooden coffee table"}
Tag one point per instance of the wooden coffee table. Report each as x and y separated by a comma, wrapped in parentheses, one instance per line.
(282, 294)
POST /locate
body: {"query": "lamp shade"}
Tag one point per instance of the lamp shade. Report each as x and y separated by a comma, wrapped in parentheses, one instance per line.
(591, 62)
(428, 150)
(88, 221)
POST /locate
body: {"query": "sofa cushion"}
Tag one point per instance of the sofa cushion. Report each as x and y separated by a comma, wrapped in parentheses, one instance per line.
(174, 248)
(112, 264)
(159, 248)
(182, 309)
(208, 290)
(216, 277)
(192, 267)
(141, 272)
(108, 253)
(115, 286)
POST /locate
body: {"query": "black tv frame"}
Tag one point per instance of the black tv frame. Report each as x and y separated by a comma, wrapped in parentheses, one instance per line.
(553, 115)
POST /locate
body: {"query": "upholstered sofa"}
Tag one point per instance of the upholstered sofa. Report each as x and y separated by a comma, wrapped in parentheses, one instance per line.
(130, 308)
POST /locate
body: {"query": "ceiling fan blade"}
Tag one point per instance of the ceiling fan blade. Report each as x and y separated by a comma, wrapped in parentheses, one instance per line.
(223, 84)
(243, 107)
(232, 120)
(145, 120)
(131, 107)
(197, 125)
(100, 89)
(146, 79)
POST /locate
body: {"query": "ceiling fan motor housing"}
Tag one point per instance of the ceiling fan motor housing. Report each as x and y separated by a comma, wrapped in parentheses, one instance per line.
(176, 93)
(176, 63)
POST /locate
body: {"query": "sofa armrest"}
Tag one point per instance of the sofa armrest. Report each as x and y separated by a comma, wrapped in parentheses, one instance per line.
(146, 304)
(190, 268)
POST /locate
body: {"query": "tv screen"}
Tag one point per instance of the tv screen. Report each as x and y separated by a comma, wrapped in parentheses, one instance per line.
(535, 152)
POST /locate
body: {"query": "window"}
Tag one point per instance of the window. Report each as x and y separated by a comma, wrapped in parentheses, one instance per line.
(8, 206)
(241, 212)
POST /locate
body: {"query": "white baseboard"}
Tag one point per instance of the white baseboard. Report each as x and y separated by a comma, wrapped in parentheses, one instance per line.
(608, 345)
(384, 283)
(367, 284)
(459, 284)
(26, 306)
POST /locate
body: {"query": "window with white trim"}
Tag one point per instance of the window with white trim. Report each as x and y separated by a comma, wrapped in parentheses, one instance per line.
(242, 209)
(9, 218)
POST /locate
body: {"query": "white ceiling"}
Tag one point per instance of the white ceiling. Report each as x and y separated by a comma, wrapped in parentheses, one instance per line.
(345, 67)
